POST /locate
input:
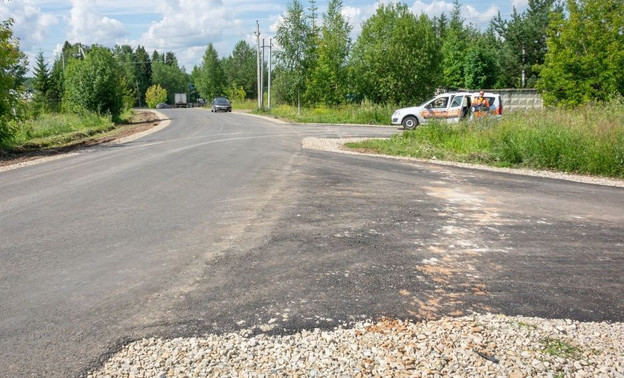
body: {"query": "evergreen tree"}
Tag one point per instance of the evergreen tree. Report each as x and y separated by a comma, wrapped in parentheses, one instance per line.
(57, 85)
(157, 57)
(170, 77)
(170, 59)
(441, 25)
(210, 77)
(143, 72)
(240, 69)
(42, 83)
(128, 61)
(524, 37)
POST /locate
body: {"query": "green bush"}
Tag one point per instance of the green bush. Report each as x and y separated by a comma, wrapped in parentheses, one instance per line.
(155, 95)
(94, 84)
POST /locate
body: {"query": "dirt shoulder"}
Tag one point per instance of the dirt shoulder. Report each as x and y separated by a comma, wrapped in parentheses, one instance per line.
(142, 121)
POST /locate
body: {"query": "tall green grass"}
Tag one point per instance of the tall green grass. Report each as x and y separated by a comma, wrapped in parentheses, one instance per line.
(585, 140)
(366, 113)
(246, 104)
(54, 130)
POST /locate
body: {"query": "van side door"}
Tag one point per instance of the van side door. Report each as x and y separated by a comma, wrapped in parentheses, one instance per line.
(459, 108)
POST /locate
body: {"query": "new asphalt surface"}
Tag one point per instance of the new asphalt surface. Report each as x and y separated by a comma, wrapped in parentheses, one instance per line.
(223, 221)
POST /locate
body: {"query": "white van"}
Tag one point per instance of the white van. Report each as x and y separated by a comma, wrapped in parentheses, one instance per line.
(450, 107)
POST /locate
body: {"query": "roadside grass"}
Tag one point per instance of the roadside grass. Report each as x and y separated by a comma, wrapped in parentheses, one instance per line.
(585, 140)
(53, 130)
(247, 104)
(365, 113)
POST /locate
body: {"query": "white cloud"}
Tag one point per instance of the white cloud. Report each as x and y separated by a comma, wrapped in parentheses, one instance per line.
(351, 14)
(520, 4)
(479, 18)
(186, 27)
(469, 13)
(434, 8)
(89, 27)
(356, 16)
(30, 24)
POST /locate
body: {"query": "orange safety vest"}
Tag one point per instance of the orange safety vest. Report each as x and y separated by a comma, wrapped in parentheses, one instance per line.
(481, 101)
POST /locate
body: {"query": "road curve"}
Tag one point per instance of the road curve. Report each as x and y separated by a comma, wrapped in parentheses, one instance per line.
(221, 221)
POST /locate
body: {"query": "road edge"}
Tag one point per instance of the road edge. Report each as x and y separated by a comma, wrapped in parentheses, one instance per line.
(163, 122)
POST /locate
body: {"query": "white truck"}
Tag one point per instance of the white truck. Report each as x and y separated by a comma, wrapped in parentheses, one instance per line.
(180, 100)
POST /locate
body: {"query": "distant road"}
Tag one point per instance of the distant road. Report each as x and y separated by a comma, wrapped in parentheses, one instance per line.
(223, 221)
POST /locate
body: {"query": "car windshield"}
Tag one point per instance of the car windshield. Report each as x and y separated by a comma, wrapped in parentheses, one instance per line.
(221, 101)
(439, 103)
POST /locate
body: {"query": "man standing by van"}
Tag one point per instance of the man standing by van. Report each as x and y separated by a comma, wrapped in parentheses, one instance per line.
(480, 105)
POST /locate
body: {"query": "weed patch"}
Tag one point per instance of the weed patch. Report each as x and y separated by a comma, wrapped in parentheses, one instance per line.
(560, 348)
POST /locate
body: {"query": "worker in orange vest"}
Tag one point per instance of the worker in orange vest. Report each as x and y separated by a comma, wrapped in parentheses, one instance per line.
(480, 105)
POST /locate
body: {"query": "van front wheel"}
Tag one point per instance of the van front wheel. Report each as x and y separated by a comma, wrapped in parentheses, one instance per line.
(410, 122)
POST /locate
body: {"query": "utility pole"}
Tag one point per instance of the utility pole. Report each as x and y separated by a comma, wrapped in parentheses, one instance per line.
(257, 34)
(262, 75)
(262, 54)
(523, 67)
(269, 94)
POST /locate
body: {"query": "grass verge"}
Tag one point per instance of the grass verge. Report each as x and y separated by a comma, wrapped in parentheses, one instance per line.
(587, 140)
(53, 130)
(365, 113)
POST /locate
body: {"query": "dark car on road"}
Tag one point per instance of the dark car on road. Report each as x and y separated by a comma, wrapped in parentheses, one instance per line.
(220, 104)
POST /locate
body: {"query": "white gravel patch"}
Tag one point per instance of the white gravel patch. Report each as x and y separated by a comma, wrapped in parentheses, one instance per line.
(479, 345)
(337, 145)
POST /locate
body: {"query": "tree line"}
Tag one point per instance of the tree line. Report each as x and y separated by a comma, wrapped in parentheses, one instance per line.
(572, 51)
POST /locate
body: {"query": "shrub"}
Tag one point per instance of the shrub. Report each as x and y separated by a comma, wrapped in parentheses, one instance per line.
(155, 95)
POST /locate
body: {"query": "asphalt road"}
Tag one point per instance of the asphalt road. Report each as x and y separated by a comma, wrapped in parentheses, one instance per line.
(222, 221)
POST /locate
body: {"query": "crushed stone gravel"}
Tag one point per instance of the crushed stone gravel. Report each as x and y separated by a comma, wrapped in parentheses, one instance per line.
(478, 345)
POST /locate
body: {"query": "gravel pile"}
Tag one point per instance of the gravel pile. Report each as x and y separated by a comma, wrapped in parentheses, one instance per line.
(478, 345)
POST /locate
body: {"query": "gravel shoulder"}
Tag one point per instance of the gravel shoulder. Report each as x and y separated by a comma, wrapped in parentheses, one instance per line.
(478, 345)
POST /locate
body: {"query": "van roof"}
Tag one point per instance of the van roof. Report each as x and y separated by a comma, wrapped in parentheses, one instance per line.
(467, 93)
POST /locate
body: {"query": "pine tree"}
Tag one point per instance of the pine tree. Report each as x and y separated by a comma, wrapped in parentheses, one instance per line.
(210, 77)
(42, 83)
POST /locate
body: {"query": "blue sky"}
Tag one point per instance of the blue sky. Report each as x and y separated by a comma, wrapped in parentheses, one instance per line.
(187, 26)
